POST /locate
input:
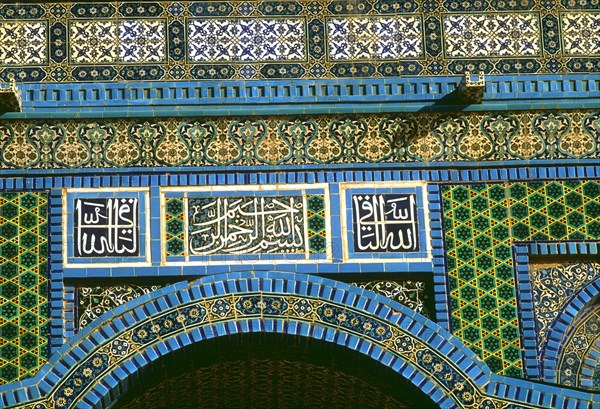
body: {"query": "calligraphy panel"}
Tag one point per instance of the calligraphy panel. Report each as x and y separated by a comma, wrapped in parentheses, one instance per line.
(105, 227)
(225, 224)
(385, 221)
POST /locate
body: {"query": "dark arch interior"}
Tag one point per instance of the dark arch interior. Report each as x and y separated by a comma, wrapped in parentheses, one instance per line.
(264, 370)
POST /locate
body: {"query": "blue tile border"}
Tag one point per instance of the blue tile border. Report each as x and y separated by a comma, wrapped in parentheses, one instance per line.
(230, 97)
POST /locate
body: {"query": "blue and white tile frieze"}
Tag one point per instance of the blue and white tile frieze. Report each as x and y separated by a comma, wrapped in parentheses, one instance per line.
(255, 39)
(381, 38)
(492, 35)
(247, 40)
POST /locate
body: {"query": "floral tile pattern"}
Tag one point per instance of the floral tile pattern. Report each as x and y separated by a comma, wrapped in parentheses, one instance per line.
(319, 139)
(186, 40)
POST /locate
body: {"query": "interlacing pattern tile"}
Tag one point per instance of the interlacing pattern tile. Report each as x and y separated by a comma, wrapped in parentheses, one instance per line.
(92, 302)
(319, 139)
(23, 284)
(256, 39)
(481, 223)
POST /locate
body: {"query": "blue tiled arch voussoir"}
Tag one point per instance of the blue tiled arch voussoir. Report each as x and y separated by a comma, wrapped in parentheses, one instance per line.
(109, 326)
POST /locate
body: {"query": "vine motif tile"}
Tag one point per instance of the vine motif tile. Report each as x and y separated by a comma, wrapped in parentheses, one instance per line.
(317, 139)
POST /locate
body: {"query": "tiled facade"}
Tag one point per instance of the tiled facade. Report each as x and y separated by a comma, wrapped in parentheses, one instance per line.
(184, 170)
(295, 39)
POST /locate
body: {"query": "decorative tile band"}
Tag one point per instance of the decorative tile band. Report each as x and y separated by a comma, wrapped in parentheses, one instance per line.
(23, 284)
(186, 40)
(420, 137)
(481, 223)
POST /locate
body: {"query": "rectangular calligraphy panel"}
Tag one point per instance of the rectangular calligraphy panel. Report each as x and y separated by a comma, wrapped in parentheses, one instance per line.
(106, 228)
(385, 221)
(249, 223)
(246, 225)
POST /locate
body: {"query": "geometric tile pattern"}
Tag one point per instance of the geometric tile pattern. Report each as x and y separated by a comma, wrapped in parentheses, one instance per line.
(246, 40)
(174, 227)
(481, 223)
(316, 224)
(317, 139)
(492, 35)
(259, 39)
(375, 38)
(553, 288)
(92, 302)
(23, 284)
(580, 359)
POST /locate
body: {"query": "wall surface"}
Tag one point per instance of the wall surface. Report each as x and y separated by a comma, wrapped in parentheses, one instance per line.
(187, 170)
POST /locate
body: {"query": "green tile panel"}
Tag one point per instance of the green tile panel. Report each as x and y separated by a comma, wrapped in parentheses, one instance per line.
(481, 223)
(23, 284)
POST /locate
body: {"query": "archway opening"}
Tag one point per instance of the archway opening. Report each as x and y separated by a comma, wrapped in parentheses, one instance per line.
(265, 370)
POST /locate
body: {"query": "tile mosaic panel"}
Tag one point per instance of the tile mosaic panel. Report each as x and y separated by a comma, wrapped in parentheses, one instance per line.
(233, 224)
(318, 139)
(481, 223)
(374, 38)
(554, 286)
(92, 302)
(58, 42)
(23, 284)
(241, 40)
(492, 35)
(581, 33)
(583, 339)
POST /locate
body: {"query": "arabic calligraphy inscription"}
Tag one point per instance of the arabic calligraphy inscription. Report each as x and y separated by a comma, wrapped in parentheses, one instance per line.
(385, 223)
(106, 227)
(246, 225)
